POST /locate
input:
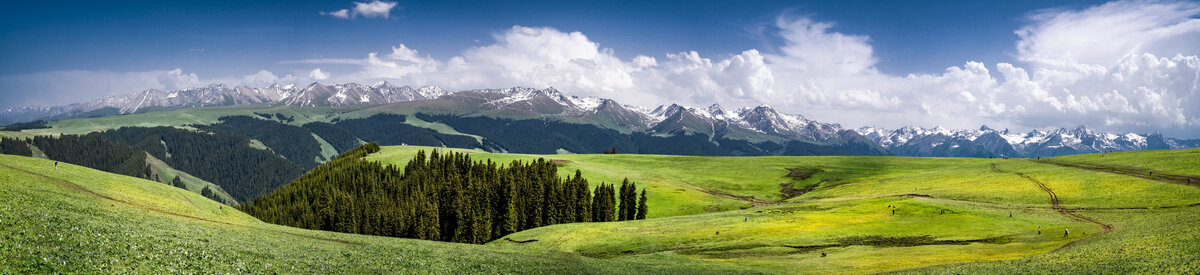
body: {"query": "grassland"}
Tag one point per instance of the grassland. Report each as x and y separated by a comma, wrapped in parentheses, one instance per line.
(708, 215)
(1184, 162)
(684, 185)
(75, 219)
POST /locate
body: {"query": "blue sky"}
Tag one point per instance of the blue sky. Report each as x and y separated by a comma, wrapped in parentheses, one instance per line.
(1116, 66)
(237, 37)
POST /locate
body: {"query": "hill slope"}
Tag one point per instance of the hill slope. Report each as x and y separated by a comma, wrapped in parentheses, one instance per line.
(950, 214)
(75, 219)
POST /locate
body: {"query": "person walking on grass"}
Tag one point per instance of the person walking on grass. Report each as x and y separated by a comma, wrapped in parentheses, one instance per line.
(55, 165)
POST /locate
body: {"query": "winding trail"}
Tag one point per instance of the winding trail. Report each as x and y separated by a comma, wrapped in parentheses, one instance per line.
(80, 189)
(1144, 173)
(1054, 203)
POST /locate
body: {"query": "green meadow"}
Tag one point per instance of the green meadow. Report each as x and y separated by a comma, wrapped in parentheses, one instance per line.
(707, 215)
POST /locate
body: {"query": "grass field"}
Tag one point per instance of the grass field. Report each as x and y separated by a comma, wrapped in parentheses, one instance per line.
(708, 215)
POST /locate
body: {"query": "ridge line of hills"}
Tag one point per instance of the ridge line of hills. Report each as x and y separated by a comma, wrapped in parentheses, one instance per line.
(754, 125)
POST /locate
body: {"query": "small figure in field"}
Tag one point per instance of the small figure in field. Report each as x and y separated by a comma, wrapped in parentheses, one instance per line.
(893, 212)
(718, 232)
(1066, 232)
(822, 254)
(1039, 230)
(55, 165)
(1010, 214)
(943, 211)
(744, 219)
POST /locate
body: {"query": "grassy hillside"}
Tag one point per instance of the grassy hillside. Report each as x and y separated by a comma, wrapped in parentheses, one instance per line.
(194, 184)
(683, 185)
(1182, 162)
(848, 215)
(951, 216)
(75, 219)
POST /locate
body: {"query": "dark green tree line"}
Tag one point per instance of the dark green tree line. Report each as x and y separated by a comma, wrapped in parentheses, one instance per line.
(439, 196)
(93, 151)
(12, 146)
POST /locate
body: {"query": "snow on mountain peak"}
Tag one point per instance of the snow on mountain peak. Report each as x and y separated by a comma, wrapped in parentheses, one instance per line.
(586, 103)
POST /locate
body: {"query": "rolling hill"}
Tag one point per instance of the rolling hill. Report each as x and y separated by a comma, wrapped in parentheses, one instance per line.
(708, 215)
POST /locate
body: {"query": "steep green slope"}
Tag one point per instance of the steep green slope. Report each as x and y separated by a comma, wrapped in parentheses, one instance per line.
(166, 174)
(74, 219)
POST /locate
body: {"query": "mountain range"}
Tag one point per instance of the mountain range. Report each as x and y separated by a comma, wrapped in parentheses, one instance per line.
(758, 130)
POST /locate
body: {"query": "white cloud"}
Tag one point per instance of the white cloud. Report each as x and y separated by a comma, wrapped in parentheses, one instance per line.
(812, 48)
(831, 76)
(1105, 34)
(1122, 66)
(373, 9)
(342, 13)
(317, 74)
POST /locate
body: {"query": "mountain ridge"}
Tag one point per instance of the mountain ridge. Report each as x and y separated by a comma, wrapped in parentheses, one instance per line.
(753, 124)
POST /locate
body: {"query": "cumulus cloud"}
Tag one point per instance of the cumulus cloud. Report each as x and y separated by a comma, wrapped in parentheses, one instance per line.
(317, 74)
(373, 9)
(1105, 34)
(1144, 79)
(1121, 66)
(811, 47)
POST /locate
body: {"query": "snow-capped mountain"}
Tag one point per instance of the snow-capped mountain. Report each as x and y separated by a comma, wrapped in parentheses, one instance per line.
(752, 120)
(314, 94)
(988, 142)
(759, 129)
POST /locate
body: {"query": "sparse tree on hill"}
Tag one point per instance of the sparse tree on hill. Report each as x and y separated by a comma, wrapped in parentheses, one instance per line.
(641, 212)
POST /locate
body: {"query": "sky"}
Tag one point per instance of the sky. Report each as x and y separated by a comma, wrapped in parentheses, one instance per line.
(1120, 66)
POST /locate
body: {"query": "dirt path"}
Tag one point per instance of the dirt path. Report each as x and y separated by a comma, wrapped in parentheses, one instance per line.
(1129, 171)
(1054, 203)
(76, 187)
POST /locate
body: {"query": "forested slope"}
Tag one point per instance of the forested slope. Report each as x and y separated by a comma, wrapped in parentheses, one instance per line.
(445, 197)
(222, 158)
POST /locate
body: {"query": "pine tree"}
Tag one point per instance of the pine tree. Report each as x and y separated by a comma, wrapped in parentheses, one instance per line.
(623, 208)
(641, 212)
